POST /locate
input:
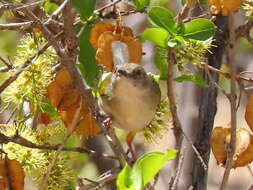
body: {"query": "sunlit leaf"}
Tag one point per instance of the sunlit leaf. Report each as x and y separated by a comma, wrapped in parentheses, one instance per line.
(158, 36)
(145, 168)
(199, 29)
(141, 4)
(161, 17)
(192, 78)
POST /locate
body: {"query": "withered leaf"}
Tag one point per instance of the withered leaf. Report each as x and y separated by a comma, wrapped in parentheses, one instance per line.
(218, 142)
(104, 52)
(102, 27)
(63, 78)
(12, 175)
(55, 93)
(220, 139)
(44, 118)
(249, 112)
(71, 98)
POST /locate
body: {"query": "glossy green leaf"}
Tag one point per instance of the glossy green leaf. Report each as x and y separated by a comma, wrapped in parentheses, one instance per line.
(145, 168)
(199, 29)
(50, 7)
(158, 36)
(150, 163)
(192, 78)
(88, 65)
(160, 61)
(123, 181)
(85, 8)
(141, 4)
(161, 17)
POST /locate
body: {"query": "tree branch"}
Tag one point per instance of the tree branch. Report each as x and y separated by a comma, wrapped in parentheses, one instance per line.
(232, 98)
(244, 29)
(177, 128)
(208, 105)
(17, 139)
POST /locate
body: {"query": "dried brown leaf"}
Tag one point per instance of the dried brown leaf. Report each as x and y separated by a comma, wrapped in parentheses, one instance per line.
(102, 27)
(55, 93)
(249, 112)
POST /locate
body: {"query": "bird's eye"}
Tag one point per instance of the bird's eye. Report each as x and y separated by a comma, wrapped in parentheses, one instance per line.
(138, 71)
(122, 72)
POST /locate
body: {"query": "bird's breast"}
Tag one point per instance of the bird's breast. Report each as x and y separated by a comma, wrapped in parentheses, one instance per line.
(132, 106)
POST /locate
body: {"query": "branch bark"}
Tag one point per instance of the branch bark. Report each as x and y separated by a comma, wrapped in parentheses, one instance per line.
(208, 105)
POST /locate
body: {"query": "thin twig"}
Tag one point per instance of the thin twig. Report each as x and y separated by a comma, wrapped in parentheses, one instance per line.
(19, 6)
(225, 74)
(100, 10)
(231, 147)
(185, 11)
(177, 128)
(195, 151)
(244, 29)
(178, 171)
(250, 170)
(73, 126)
(104, 178)
(7, 63)
(48, 34)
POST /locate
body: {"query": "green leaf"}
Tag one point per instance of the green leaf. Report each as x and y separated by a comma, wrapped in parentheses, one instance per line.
(192, 78)
(145, 168)
(150, 163)
(161, 17)
(199, 29)
(161, 62)
(123, 181)
(158, 36)
(88, 65)
(141, 4)
(123, 177)
(50, 7)
(47, 107)
(85, 7)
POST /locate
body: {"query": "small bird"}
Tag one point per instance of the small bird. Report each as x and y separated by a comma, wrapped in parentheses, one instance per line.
(131, 95)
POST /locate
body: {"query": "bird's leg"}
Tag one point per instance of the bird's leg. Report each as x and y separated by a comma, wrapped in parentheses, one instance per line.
(129, 140)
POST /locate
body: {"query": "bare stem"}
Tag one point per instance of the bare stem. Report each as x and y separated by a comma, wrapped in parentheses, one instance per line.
(232, 144)
(17, 139)
(177, 128)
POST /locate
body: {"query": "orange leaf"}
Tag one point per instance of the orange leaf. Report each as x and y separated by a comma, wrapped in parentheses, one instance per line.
(246, 157)
(12, 175)
(55, 93)
(16, 174)
(104, 52)
(44, 118)
(88, 126)
(4, 184)
(102, 27)
(67, 116)
(70, 98)
(249, 112)
(218, 141)
(63, 78)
